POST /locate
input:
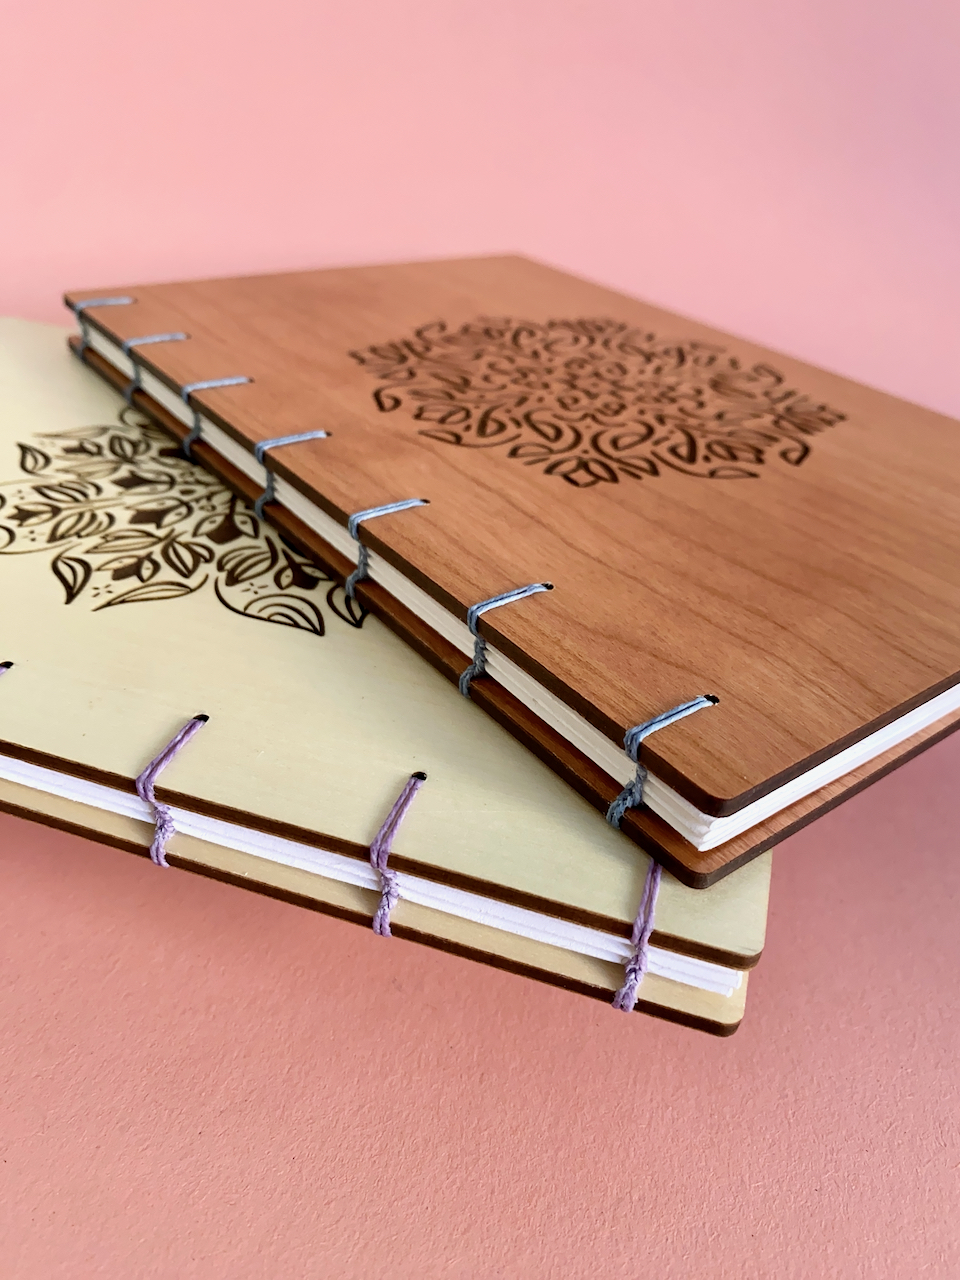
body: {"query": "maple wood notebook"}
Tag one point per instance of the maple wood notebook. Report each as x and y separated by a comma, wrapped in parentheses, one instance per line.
(138, 591)
(714, 519)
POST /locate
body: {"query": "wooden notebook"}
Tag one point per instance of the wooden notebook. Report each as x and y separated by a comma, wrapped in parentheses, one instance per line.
(139, 591)
(714, 519)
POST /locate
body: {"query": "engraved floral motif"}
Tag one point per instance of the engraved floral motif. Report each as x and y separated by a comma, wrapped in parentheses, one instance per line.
(127, 519)
(595, 400)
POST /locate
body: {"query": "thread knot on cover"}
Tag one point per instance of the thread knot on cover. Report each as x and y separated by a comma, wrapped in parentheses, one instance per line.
(164, 826)
(259, 452)
(479, 665)
(636, 967)
(363, 553)
(79, 308)
(380, 853)
(631, 797)
(147, 340)
(207, 384)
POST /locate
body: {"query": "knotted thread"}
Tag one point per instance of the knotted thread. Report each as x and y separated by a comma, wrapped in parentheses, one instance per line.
(207, 385)
(380, 852)
(479, 665)
(636, 966)
(5, 667)
(363, 554)
(259, 450)
(127, 348)
(163, 818)
(78, 309)
(631, 797)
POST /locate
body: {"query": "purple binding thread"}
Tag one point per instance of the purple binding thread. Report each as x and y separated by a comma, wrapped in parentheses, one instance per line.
(636, 967)
(380, 852)
(162, 816)
(5, 667)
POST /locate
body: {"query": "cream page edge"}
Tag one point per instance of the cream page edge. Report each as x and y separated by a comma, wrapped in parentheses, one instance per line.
(535, 926)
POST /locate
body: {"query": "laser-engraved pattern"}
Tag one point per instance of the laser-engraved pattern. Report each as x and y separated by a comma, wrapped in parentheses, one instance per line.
(127, 519)
(595, 400)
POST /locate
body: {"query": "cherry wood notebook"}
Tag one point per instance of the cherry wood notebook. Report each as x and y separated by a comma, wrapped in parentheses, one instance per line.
(715, 521)
(138, 591)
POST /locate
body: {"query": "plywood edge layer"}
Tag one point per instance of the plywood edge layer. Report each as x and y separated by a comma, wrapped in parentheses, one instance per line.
(583, 975)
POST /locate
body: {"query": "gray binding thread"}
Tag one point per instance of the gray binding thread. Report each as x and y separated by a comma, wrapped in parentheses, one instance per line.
(260, 449)
(363, 554)
(208, 384)
(631, 797)
(479, 665)
(78, 309)
(126, 347)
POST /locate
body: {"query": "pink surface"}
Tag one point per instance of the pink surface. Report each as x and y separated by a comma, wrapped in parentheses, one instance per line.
(785, 171)
(198, 1083)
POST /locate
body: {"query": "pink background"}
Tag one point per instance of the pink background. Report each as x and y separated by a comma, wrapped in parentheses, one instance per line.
(200, 1083)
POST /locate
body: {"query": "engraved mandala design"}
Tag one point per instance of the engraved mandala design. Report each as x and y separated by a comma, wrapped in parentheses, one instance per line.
(596, 401)
(127, 519)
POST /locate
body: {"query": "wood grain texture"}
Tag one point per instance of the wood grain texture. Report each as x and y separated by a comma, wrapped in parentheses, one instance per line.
(696, 869)
(314, 725)
(598, 979)
(818, 601)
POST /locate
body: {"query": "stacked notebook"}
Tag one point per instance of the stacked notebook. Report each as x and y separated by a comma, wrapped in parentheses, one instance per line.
(139, 591)
(629, 592)
(588, 513)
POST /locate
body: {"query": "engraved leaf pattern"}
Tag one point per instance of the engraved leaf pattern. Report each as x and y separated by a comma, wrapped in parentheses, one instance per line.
(127, 519)
(78, 524)
(32, 460)
(286, 610)
(242, 564)
(154, 591)
(186, 556)
(595, 401)
(73, 573)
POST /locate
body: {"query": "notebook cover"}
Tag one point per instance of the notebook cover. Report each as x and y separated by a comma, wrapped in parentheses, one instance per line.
(716, 518)
(139, 591)
(691, 866)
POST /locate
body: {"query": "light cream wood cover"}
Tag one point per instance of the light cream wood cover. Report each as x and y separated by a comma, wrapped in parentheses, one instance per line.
(310, 735)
